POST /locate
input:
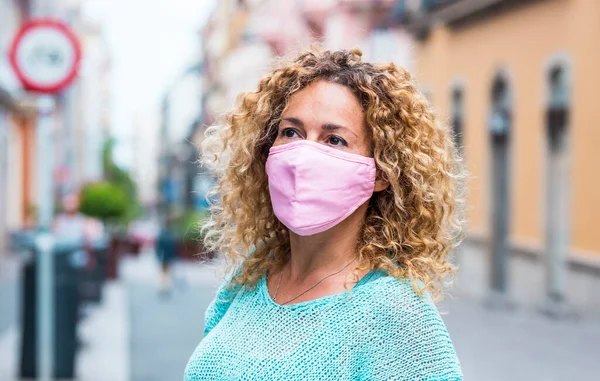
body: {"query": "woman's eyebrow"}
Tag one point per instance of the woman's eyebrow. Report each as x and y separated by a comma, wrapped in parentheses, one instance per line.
(295, 121)
(326, 127)
(335, 127)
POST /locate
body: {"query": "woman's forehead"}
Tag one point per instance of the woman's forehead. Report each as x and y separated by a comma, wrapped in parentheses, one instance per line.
(325, 102)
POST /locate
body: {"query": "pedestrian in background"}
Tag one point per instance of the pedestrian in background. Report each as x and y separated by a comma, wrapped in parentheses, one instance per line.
(336, 203)
(166, 252)
(70, 226)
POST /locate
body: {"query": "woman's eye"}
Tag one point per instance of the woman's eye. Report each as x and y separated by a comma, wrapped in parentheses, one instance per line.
(288, 132)
(337, 141)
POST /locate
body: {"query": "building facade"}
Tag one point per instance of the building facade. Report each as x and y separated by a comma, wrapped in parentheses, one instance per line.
(79, 117)
(17, 139)
(241, 38)
(517, 81)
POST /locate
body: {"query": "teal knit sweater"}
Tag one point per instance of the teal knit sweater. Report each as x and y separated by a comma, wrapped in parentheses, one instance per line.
(381, 330)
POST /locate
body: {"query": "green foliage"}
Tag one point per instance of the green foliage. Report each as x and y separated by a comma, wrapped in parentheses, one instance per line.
(121, 179)
(104, 201)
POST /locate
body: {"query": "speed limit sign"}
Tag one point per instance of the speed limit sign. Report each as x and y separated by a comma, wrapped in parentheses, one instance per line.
(45, 55)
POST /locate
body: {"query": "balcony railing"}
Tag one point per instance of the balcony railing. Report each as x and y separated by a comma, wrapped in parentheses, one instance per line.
(452, 12)
(431, 5)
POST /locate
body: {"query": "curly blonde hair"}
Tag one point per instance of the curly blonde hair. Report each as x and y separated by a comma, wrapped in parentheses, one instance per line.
(409, 228)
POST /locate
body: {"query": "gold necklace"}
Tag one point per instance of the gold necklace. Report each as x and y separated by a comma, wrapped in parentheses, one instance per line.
(313, 286)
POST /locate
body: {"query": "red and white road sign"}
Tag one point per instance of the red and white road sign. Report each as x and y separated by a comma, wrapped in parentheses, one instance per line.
(45, 55)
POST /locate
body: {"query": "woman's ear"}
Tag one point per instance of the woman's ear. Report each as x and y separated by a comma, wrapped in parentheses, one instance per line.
(381, 183)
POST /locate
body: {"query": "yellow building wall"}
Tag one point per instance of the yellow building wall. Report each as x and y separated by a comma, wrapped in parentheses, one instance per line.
(522, 41)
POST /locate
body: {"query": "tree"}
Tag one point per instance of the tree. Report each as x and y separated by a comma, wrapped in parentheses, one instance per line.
(122, 180)
(103, 200)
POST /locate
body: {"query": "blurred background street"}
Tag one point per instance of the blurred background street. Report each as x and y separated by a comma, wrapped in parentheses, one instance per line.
(103, 104)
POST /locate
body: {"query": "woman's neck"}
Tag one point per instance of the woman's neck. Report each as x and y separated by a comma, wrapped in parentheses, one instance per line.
(324, 253)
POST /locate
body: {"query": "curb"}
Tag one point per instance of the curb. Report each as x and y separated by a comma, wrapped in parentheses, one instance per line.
(586, 264)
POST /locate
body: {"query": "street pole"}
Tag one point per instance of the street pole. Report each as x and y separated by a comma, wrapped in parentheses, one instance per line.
(557, 210)
(166, 158)
(499, 126)
(3, 182)
(44, 241)
(45, 56)
(45, 203)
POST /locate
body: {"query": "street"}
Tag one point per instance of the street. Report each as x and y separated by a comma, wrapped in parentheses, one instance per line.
(492, 344)
(9, 292)
(521, 345)
(165, 329)
(138, 334)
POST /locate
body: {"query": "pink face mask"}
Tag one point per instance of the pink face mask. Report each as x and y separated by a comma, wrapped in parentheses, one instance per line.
(313, 187)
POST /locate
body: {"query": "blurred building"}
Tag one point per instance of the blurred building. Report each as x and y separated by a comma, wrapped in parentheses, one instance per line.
(517, 82)
(17, 136)
(513, 68)
(83, 107)
(92, 93)
(146, 154)
(180, 110)
(80, 116)
(242, 37)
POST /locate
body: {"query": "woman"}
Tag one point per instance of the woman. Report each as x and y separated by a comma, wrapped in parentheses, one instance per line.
(335, 210)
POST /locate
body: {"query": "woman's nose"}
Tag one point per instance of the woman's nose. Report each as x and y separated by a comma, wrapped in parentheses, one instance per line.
(313, 137)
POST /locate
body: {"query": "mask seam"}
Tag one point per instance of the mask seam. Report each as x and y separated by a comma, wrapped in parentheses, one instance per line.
(370, 160)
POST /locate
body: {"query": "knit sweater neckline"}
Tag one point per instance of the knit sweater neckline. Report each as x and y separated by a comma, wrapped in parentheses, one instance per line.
(264, 291)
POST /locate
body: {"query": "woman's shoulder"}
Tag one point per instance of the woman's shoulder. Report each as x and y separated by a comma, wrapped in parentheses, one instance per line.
(394, 302)
(388, 292)
(411, 337)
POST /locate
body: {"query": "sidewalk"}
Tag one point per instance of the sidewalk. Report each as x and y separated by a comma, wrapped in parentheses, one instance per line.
(105, 338)
(9, 290)
(9, 330)
(527, 284)
(522, 344)
(109, 351)
(105, 334)
(136, 335)
(133, 334)
(165, 329)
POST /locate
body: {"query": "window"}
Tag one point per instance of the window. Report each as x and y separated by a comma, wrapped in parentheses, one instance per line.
(499, 122)
(457, 116)
(558, 108)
